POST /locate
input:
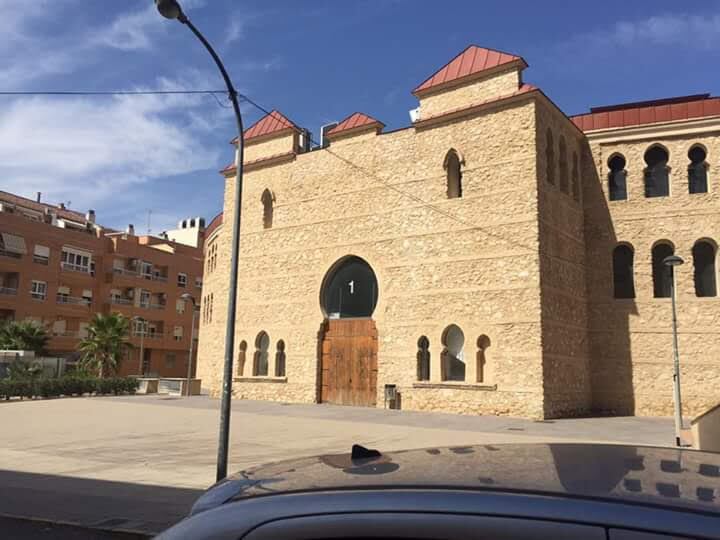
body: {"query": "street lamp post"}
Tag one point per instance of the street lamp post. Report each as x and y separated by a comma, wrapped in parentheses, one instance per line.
(671, 262)
(172, 10)
(190, 297)
(142, 343)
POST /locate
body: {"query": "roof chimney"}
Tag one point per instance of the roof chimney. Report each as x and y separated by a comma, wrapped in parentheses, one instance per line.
(90, 216)
(62, 206)
(130, 229)
(39, 196)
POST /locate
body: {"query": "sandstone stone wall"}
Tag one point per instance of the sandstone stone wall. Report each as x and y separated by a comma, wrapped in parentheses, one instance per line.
(631, 339)
(470, 261)
(496, 85)
(562, 267)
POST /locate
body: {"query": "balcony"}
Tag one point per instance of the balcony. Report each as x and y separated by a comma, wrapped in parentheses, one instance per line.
(120, 301)
(10, 254)
(41, 260)
(156, 306)
(72, 300)
(150, 334)
(9, 282)
(38, 296)
(125, 272)
(8, 291)
(70, 267)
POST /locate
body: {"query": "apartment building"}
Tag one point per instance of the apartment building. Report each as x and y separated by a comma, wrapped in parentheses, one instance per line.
(59, 268)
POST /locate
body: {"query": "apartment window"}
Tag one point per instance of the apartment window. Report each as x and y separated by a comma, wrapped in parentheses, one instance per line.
(182, 280)
(180, 305)
(87, 295)
(170, 360)
(41, 254)
(178, 333)
(12, 245)
(198, 282)
(75, 260)
(63, 294)
(146, 270)
(38, 290)
(145, 298)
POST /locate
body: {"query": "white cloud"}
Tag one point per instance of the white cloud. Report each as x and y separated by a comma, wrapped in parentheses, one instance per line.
(235, 30)
(688, 31)
(91, 151)
(131, 31)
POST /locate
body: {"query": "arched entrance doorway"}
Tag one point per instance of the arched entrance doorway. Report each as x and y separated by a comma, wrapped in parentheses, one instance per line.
(349, 337)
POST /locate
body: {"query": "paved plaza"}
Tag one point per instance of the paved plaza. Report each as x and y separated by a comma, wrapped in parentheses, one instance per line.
(139, 462)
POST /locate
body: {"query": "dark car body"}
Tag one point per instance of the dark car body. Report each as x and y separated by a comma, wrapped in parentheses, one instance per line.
(487, 491)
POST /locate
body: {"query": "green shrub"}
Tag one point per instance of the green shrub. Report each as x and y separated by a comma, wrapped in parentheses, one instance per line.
(70, 385)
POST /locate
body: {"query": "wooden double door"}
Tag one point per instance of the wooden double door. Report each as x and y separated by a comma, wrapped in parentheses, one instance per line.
(349, 362)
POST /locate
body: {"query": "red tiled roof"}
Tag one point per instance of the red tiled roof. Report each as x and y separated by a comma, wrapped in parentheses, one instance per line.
(471, 61)
(355, 120)
(648, 112)
(40, 207)
(273, 122)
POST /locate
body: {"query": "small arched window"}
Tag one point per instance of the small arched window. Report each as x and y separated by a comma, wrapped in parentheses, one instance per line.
(423, 359)
(242, 351)
(453, 354)
(564, 181)
(704, 262)
(454, 175)
(623, 279)
(576, 177)
(260, 359)
(697, 170)
(657, 172)
(617, 178)
(483, 342)
(549, 157)
(280, 359)
(662, 274)
(268, 200)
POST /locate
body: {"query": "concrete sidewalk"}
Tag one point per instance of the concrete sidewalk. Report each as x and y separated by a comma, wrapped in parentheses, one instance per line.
(139, 462)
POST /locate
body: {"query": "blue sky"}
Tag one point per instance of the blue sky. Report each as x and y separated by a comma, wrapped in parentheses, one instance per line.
(315, 61)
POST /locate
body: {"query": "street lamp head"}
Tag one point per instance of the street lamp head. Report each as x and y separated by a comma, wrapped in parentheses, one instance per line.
(187, 296)
(673, 260)
(170, 9)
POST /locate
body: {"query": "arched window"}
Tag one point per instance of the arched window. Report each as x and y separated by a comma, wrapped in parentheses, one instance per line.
(617, 178)
(454, 175)
(704, 262)
(564, 181)
(423, 359)
(576, 177)
(697, 170)
(280, 359)
(657, 172)
(549, 157)
(453, 355)
(623, 280)
(350, 290)
(483, 342)
(268, 199)
(662, 275)
(242, 350)
(260, 360)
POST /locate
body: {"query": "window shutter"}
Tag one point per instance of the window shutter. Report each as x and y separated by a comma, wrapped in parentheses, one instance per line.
(42, 251)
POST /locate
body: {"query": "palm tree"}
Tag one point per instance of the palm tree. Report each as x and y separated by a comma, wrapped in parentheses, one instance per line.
(105, 344)
(23, 336)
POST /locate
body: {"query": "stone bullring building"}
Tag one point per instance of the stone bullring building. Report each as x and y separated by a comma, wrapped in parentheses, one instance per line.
(494, 257)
